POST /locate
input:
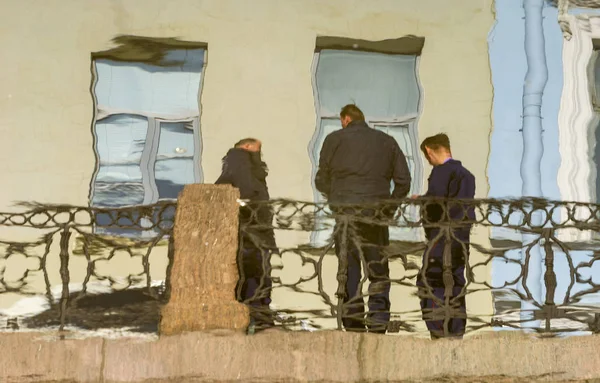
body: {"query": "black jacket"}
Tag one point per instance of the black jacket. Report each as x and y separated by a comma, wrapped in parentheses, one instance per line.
(357, 164)
(247, 172)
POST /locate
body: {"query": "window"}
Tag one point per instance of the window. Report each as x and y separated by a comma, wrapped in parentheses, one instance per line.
(386, 88)
(578, 119)
(146, 129)
(595, 80)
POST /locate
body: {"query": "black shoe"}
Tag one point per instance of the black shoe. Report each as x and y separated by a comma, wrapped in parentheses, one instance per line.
(377, 327)
(257, 326)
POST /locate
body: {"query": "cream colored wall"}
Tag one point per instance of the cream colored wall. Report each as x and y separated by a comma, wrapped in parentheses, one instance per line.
(257, 81)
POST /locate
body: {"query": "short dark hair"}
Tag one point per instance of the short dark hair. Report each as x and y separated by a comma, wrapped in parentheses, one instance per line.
(245, 141)
(353, 112)
(436, 142)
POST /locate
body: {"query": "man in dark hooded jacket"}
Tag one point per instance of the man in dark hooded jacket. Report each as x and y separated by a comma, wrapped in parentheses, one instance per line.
(244, 169)
(356, 166)
(448, 180)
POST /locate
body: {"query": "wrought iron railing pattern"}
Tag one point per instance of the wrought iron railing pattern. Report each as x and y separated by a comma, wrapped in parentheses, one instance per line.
(552, 282)
(100, 235)
(460, 262)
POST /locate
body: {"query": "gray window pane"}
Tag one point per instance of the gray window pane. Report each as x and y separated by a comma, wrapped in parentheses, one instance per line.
(401, 134)
(174, 165)
(143, 88)
(120, 141)
(381, 85)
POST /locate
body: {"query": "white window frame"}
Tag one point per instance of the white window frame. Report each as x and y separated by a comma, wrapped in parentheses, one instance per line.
(577, 120)
(151, 151)
(411, 120)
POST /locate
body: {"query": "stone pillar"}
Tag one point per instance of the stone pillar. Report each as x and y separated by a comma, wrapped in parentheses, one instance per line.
(204, 272)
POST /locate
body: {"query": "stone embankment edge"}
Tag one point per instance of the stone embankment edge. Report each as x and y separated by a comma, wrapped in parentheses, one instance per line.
(327, 356)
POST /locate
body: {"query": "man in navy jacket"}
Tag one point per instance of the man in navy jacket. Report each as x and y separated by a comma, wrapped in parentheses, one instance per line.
(244, 169)
(356, 166)
(448, 180)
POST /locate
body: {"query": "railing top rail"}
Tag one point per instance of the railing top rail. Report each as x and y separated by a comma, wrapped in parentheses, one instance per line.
(525, 213)
(48, 216)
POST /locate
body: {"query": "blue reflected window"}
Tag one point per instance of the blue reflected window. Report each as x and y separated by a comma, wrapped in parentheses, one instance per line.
(386, 88)
(120, 141)
(174, 165)
(147, 133)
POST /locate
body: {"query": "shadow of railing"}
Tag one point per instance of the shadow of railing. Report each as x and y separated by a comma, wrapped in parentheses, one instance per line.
(92, 265)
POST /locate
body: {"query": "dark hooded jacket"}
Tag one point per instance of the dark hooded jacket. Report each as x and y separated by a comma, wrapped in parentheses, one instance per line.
(246, 171)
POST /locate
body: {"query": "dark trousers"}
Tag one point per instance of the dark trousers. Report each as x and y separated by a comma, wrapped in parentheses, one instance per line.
(254, 286)
(372, 239)
(432, 289)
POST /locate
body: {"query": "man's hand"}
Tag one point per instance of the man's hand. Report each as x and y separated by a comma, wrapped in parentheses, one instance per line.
(414, 196)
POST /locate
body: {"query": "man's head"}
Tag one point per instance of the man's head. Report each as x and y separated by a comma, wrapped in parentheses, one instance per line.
(436, 149)
(350, 113)
(249, 144)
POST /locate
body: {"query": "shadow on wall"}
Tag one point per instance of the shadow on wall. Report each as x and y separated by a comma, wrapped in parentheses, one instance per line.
(132, 309)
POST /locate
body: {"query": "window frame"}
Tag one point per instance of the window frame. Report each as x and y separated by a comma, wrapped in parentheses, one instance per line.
(411, 122)
(410, 119)
(150, 152)
(154, 198)
(577, 120)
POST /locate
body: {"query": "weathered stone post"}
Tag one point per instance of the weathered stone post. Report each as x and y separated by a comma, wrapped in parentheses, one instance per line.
(204, 272)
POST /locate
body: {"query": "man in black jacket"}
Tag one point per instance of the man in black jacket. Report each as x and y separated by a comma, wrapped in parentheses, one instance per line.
(356, 166)
(244, 169)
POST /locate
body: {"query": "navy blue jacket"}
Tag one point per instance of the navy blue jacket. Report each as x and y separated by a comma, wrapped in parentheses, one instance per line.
(357, 164)
(450, 180)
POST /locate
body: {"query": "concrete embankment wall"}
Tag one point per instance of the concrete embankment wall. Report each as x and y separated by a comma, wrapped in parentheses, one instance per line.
(326, 356)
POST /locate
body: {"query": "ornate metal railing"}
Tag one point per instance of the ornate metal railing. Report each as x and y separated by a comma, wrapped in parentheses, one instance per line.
(92, 238)
(541, 276)
(468, 279)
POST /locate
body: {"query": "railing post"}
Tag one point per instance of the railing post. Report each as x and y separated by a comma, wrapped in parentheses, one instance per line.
(549, 276)
(342, 274)
(65, 276)
(204, 271)
(447, 278)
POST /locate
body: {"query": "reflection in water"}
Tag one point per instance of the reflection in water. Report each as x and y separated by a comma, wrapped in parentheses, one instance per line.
(147, 136)
(109, 194)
